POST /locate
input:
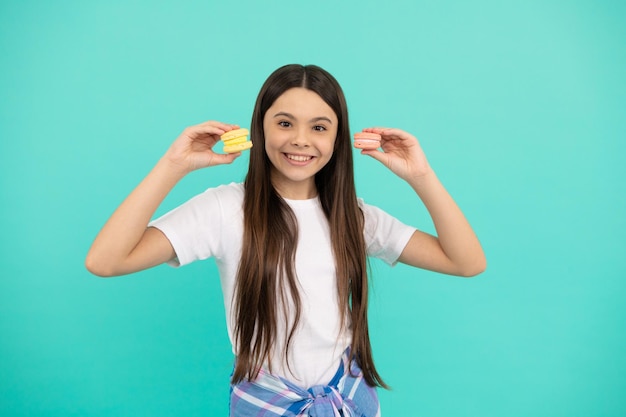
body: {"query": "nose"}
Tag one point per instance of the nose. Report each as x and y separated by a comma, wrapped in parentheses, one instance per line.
(300, 140)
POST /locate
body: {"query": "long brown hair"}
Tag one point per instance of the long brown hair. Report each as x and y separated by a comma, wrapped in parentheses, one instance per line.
(266, 274)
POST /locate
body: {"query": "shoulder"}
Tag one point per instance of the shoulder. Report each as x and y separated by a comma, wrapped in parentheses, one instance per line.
(213, 203)
(233, 190)
(371, 213)
(385, 235)
(227, 195)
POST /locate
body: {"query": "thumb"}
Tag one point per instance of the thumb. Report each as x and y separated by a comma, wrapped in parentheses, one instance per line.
(228, 158)
(381, 157)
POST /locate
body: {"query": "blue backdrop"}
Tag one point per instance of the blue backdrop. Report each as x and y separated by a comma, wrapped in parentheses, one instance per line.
(519, 105)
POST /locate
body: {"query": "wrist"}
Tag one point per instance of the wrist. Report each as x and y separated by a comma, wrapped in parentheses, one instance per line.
(171, 169)
(424, 181)
(422, 178)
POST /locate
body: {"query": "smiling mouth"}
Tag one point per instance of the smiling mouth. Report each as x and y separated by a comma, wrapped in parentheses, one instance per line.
(298, 158)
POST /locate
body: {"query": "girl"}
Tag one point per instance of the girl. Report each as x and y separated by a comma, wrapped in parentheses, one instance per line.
(291, 244)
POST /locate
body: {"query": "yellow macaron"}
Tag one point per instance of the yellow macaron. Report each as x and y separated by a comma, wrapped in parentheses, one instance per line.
(236, 140)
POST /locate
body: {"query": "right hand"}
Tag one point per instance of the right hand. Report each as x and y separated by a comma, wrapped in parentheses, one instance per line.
(193, 149)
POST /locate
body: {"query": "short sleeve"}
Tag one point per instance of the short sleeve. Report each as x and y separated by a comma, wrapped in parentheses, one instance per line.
(195, 228)
(385, 236)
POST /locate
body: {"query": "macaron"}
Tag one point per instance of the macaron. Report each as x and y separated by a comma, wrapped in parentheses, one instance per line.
(236, 140)
(366, 140)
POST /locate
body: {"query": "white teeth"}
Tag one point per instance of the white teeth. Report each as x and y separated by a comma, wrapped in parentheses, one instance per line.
(299, 158)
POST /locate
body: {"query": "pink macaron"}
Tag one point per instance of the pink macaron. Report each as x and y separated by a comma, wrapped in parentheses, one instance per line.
(366, 140)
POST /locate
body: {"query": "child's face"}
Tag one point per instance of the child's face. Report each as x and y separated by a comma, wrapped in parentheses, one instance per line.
(300, 132)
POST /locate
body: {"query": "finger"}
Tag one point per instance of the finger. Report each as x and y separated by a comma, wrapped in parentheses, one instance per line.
(221, 125)
(392, 133)
(213, 127)
(226, 127)
(233, 127)
(388, 133)
(225, 158)
(377, 130)
(378, 155)
(198, 131)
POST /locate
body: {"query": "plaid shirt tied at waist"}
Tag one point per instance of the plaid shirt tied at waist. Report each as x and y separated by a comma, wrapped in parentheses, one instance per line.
(346, 395)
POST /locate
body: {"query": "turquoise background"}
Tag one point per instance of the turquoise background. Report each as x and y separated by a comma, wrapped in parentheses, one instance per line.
(519, 105)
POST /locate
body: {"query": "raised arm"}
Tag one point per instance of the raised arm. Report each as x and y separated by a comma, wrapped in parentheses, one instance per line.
(456, 249)
(126, 244)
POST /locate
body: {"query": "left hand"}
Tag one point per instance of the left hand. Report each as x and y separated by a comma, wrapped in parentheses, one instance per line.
(401, 153)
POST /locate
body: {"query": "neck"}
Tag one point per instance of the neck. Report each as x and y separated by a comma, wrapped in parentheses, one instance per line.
(298, 191)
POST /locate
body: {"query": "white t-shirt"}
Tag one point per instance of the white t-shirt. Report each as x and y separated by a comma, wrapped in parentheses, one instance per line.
(211, 225)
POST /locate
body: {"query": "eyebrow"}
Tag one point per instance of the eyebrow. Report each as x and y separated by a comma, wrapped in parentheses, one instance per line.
(313, 120)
